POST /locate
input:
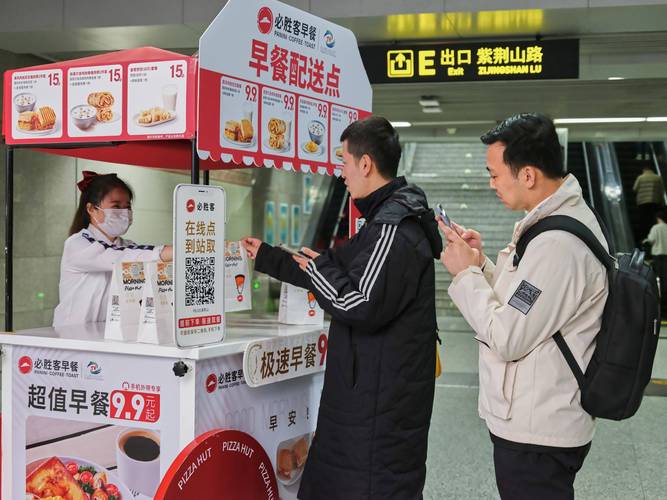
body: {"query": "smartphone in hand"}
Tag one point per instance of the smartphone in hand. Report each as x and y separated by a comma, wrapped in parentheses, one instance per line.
(291, 251)
(443, 215)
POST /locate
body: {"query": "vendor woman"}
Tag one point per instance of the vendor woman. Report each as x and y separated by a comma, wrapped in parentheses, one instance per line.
(94, 246)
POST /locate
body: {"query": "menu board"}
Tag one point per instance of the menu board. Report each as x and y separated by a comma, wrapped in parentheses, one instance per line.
(156, 101)
(131, 95)
(269, 100)
(37, 104)
(95, 101)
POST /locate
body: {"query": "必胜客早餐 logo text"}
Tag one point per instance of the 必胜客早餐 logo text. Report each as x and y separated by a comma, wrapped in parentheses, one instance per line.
(224, 380)
(47, 366)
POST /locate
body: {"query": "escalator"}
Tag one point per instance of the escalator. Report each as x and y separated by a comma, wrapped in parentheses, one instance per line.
(576, 165)
(608, 195)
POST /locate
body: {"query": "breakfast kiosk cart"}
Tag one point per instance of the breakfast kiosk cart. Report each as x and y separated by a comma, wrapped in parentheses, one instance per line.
(273, 87)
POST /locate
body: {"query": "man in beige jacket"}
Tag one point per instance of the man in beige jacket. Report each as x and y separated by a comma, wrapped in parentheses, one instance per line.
(528, 395)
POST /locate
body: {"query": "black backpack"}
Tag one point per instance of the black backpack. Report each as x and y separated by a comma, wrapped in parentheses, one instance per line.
(620, 369)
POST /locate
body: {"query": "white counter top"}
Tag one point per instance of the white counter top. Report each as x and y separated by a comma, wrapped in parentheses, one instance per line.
(90, 337)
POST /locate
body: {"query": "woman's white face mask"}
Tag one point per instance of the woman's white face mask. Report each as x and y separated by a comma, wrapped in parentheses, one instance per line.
(116, 221)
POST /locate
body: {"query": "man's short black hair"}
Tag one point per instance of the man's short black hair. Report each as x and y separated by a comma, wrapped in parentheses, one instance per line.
(662, 215)
(374, 136)
(529, 139)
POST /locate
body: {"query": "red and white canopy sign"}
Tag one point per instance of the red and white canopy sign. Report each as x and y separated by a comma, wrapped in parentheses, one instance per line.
(277, 87)
(129, 95)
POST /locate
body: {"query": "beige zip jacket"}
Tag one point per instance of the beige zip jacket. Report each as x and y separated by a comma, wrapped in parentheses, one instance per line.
(528, 393)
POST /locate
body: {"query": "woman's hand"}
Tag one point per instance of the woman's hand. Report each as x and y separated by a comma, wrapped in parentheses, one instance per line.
(167, 253)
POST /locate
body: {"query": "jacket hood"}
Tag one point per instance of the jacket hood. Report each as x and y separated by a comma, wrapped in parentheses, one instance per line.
(410, 201)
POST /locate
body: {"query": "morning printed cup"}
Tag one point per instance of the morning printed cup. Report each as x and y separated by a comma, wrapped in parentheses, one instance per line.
(138, 460)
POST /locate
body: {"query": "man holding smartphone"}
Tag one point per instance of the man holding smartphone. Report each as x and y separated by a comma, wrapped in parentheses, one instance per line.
(528, 395)
(379, 288)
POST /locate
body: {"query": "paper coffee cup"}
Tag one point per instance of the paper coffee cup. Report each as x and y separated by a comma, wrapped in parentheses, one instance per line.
(138, 460)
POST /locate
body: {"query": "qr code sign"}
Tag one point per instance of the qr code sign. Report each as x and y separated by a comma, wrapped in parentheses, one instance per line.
(199, 281)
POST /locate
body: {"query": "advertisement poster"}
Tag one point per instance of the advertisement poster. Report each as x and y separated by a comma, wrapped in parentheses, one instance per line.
(296, 226)
(199, 244)
(283, 224)
(268, 101)
(280, 416)
(37, 104)
(156, 98)
(86, 423)
(269, 223)
(95, 101)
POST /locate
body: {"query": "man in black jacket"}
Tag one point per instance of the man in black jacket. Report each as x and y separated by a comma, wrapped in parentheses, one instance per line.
(379, 288)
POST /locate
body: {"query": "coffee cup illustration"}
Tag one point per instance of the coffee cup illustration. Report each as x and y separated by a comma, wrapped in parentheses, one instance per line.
(138, 460)
(239, 279)
(312, 302)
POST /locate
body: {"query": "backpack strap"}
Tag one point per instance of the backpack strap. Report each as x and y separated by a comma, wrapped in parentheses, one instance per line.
(567, 224)
(569, 357)
(578, 229)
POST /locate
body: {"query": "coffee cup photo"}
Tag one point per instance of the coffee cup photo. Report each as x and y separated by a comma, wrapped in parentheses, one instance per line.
(138, 460)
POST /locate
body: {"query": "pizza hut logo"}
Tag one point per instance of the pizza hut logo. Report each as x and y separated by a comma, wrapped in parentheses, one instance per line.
(190, 205)
(211, 383)
(265, 20)
(25, 365)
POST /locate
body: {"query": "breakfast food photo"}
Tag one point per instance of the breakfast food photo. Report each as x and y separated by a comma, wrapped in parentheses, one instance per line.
(154, 116)
(291, 458)
(24, 102)
(39, 122)
(278, 137)
(72, 478)
(98, 110)
(239, 133)
(313, 144)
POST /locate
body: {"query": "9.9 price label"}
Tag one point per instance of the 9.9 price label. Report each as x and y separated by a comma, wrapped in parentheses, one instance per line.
(135, 406)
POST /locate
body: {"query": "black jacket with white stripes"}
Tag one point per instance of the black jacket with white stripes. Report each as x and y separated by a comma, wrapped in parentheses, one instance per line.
(379, 289)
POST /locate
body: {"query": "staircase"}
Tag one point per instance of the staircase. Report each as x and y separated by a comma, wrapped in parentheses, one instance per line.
(454, 174)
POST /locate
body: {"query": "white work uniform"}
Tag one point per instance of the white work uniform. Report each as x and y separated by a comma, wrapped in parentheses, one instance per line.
(528, 393)
(85, 274)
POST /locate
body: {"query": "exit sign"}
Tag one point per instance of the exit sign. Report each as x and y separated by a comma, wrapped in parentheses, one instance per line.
(480, 61)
